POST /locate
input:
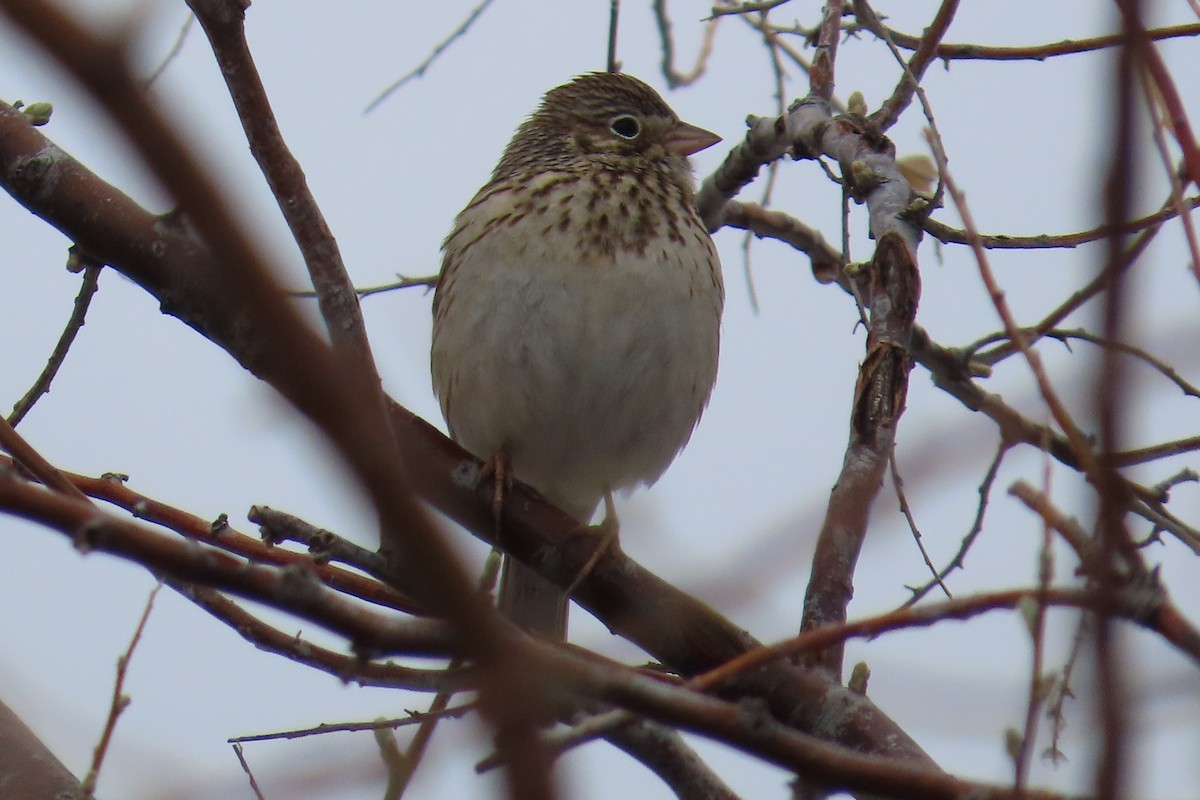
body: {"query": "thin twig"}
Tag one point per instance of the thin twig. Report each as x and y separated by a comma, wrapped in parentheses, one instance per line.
(120, 701)
(1127, 458)
(113, 488)
(1036, 52)
(674, 77)
(766, 223)
(794, 55)
(985, 492)
(771, 42)
(1064, 335)
(1185, 475)
(419, 70)
(614, 15)
(1039, 241)
(1160, 113)
(176, 48)
(428, 281)
(746, 8)
(665, 752)
(346, 668)
(419, 745)
(961, 608)
(1162, 520)
(324, 545)
(1063, 693)
(411, 718)
(898, 485)
(1093, 287)
(393, 762)
(237, 749)
(914, 69)
(91, 281)
(821, 77)
(1058, 410)
(1036, 622)
(1151, 61)
(339, 307)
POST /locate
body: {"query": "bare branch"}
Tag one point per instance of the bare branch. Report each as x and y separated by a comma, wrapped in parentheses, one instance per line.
(173, 53)
(419, 70)
(614, 14)
(295, 648)
(335, 291)
(1149, 223)
(28, 766)
(674, 77)
(914, 70)
(906, 510)
(1036, 52)
(91, 278)
(879, 399)
(1015, 333)
(119, 701)
(411, 718)
(985, 493)
(237, 749)
(31, 460)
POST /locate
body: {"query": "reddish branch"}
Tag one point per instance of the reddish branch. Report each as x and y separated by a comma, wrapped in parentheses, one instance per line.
(294, 589)
(817, 763)
(31, 460)
(1143, 604)
(292, 592)
(227, 538)
(1015, 334)
(120, 701)
(1133, 592)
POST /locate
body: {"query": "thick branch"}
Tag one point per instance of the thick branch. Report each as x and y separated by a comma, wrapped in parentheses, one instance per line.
(28, 768)
(224, 24)
(879, 400)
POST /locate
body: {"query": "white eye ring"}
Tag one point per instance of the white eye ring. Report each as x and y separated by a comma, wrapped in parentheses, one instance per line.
(626, 126)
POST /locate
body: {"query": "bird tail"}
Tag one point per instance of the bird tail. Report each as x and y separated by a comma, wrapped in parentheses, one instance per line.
(531, 602)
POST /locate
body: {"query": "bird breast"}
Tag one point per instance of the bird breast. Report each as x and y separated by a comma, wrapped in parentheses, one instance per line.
(579, 337)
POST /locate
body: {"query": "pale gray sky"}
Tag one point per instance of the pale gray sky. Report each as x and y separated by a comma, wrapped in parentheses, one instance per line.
(144, 395)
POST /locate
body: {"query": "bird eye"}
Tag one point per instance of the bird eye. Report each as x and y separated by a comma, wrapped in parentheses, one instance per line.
(626, 127)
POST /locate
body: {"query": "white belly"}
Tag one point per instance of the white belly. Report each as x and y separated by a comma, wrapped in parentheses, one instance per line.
(587, 377)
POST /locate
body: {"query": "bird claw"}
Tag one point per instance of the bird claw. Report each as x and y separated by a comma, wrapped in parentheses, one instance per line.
(609, 533)
(498, 469)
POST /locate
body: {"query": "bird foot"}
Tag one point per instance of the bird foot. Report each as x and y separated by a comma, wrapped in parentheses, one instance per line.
(500, 471)
(609, 535)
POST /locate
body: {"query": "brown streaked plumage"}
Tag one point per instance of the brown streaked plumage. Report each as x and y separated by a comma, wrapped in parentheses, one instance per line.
(577, 315)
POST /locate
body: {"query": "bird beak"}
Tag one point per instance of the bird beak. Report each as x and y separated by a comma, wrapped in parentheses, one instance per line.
(686, 139)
